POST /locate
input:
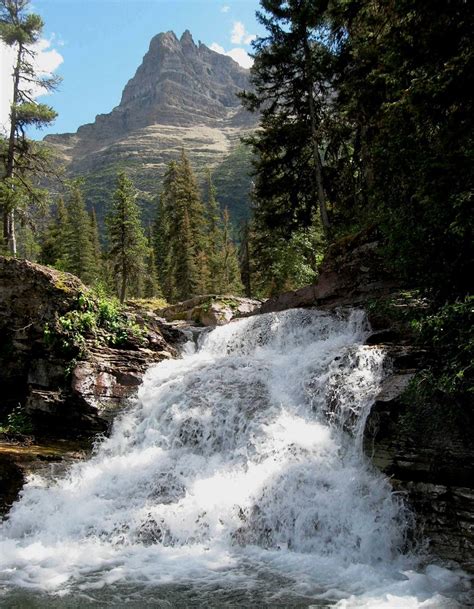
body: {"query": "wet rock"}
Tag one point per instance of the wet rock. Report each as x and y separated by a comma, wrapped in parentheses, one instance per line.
(435, 471)
(11, 482)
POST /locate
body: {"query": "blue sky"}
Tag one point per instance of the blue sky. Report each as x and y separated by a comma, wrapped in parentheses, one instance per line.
(102, 42)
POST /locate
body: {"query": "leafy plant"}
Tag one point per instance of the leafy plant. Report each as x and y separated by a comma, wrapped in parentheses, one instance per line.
(95, 317)
(18, 422)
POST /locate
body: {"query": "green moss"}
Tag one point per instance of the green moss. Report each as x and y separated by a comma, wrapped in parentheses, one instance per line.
(61, 283)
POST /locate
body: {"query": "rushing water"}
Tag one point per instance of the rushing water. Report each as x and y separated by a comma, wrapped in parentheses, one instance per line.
(236, 480)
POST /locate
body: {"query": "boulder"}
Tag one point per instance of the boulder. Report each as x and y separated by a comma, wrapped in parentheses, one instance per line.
(210, 310)
(352, 273)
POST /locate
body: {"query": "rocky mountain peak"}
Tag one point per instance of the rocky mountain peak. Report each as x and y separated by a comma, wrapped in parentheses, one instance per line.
(183, 95)
(187, 39)
(180, 83)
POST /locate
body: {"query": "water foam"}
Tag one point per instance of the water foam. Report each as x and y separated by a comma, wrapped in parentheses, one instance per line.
(239, 467)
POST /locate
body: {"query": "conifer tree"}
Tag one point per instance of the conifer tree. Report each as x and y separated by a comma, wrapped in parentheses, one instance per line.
(245, 258)
(162, 248)
(79, 249)
(53, 242)
(28, 247)
(187, 272)
(151, 286)
(180, 233)
(230, 272)
(291, 92)
(126, 240)
(97, 267)
(214, 236)
(22, 158)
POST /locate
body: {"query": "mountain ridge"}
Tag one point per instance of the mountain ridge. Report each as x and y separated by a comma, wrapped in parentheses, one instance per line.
(183, 95)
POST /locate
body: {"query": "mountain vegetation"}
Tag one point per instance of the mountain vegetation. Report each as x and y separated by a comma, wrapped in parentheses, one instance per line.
(365, 125)
(23, 159)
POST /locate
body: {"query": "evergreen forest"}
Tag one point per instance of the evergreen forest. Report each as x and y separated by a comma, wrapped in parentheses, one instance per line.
(365, 128)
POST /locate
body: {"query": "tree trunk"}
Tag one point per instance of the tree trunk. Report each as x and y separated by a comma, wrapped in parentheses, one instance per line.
(8, 214)
(318, 166)
(123, 289)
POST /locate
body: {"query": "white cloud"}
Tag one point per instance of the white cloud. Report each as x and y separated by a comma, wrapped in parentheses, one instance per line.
(225, 9)
(239, 34)
(47, 60)
(238, 54)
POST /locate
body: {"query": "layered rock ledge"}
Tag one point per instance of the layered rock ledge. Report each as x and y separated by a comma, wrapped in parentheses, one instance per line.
(66, 396)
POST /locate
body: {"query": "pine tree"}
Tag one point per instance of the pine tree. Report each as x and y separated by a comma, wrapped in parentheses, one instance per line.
(291, 91)
(28, 247)
(230, 272)
(180, 233)
(245, 258)
(162, 246)
(79, 249)
(151, 286)
(96, 270)
(214, 236)
(187, 273)
(126, 240)
(23, 159)
(54, 239)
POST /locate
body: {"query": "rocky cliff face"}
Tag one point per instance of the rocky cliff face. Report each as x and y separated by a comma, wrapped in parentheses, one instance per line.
(65, 395)
(182, 96)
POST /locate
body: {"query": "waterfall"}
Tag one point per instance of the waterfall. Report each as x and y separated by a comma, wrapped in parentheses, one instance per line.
(237, 478)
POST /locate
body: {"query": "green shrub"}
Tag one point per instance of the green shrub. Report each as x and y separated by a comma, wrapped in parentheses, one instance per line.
(18, 422)
(95, 317)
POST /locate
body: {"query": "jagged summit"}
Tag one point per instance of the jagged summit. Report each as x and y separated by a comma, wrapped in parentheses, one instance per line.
(183, 94)
(178, 83)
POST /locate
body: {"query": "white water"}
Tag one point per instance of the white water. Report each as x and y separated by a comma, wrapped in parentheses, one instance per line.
(239, 469)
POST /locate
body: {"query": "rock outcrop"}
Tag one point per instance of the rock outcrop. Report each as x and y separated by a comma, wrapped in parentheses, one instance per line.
(73, 394)
(183, 95)
(352, 273)
(431, 463)
(210, 310)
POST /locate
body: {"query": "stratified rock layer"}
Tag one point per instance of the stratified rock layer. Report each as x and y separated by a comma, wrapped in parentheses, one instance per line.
(182, 96)
(64, 397)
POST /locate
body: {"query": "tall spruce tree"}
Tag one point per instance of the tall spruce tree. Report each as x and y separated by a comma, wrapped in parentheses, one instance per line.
(97, 268)
(214, 236)
(23, 159)
(186, 259)
(79, 249)
(245, 257)
(151, 286)
(180, 233)
(127, 247)
(230, 281)
(54, 238)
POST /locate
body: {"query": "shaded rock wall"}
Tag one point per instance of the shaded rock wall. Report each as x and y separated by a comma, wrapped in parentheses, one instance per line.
(430, 463)
(64, 397)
